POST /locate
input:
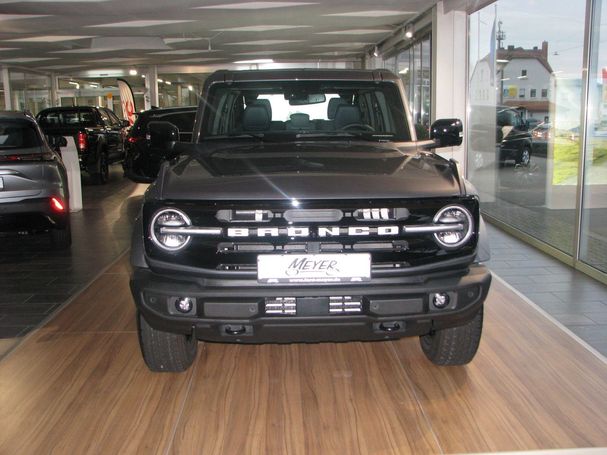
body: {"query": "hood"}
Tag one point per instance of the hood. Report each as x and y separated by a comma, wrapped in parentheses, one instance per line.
(304, 170)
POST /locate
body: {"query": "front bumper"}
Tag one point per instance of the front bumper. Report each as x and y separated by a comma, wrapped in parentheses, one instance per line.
(244, 315)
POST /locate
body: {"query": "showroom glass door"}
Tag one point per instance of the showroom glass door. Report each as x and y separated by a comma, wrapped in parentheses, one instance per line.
(593, 232)
(537, 124)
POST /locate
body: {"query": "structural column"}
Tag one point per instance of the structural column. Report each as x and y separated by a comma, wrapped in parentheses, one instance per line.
(151, 85)
(6, 84)
(449, 63)
(55, 100)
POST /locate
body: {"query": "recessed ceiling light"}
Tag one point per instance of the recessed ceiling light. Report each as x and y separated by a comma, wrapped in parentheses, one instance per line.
(344, 45)
(357, 31)
(50, 38)
(265, 42)
(114, 60)
(180, 40)
(181, 52)
(60, 67)
(133, 72)
(168, 82)
(13, 17)
(255, 5)
(336, 53)
(262, 53)
(195, 60)
(260, 28)
(26, 59)
(85, 50)
(372, 13)
(257, 60)
(141, 23)
(8, 49)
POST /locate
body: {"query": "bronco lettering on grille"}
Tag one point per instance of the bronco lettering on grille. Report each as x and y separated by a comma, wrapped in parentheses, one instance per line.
(321, 231)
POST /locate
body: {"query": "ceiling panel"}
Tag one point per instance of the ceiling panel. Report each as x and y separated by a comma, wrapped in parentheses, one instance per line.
(92, 34)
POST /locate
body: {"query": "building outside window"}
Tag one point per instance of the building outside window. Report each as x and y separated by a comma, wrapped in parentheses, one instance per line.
(528, 171)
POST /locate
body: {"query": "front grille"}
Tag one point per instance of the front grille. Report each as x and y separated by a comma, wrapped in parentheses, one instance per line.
(222, 239)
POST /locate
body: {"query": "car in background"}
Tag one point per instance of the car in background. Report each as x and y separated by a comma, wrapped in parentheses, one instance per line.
(98, 133)
(33, 180)
(542, 134)
(513, 138)
(143, 158)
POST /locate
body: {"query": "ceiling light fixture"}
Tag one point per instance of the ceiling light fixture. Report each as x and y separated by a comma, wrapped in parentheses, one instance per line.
(160, 81)
(258, 60)
(133, 72)
(168, 82)
(375, 52)
(409, 34)
(190, 88)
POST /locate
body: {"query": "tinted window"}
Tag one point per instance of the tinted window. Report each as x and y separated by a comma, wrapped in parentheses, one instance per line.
(18, 134)
(184, 121)
(113, 117)
(105, 117)
(66, 118)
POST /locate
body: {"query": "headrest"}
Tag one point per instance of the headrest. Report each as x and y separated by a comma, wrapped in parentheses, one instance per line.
(264, 103)
(300, 120)
(255, 118)
(332, 108)
(346, 114)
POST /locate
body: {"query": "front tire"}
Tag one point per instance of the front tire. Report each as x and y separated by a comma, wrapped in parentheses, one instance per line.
(165, 351)
(525, 157)
(455, 345)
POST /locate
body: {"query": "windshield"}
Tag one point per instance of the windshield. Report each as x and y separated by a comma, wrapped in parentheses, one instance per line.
(18, 134)
(305, 109)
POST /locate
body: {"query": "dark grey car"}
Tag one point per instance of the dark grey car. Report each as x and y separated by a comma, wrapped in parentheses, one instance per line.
(33, 181)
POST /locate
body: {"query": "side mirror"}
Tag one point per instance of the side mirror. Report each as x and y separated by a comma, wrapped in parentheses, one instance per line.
(162, 134)
(125, 123)
(447, 132)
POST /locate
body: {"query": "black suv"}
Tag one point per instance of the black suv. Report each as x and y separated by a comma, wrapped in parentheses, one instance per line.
(305, 210)
(142, 159)
(98, 133)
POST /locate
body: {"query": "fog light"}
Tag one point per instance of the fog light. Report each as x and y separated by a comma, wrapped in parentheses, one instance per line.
(184, 304)
(440, 300)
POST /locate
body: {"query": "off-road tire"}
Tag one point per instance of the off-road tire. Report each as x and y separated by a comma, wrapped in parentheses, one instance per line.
(165, 351)
(455, 345)
(525, 157)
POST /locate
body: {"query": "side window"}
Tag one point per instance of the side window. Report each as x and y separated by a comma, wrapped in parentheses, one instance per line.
(114, 118)
(87, 118)
(50, 119)
(105, 117)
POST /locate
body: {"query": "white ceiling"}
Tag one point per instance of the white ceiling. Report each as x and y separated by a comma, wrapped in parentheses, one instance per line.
(79, 35)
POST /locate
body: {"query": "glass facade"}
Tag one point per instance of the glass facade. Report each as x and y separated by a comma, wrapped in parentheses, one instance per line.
(535, 121)
(414, 66)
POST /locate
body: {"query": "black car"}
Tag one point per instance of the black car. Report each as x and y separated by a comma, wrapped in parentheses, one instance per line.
(33, 181)
(98, 133)
(513, 137)
(306, 210)
(143, 159)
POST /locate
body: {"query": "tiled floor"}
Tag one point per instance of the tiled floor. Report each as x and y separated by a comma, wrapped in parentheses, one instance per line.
(35, 281)
(574, 299)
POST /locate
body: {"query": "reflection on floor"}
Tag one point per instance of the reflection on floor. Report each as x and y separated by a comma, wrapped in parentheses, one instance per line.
(79, 385)
(574, 299)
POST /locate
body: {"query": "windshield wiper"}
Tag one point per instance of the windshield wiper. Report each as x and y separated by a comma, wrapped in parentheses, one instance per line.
(259, 136)
(366, 135)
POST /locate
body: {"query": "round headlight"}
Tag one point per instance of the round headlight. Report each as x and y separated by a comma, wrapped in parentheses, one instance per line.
(165, 221)
(463, 226)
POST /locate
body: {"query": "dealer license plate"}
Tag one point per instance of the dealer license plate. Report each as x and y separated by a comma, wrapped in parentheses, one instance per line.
(313, 268)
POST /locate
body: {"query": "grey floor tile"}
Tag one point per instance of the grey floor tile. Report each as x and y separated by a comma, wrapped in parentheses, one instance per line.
(598, 317)
(590, 334)
(573, 319)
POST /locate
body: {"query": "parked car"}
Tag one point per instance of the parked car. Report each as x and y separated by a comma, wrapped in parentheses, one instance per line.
(98, 133)
(513, 137)
(143, 159)
(542, 135)
(306, 210)
(33, 181)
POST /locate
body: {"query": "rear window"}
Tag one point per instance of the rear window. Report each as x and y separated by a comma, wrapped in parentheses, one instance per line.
(18, 134)
(66, 118)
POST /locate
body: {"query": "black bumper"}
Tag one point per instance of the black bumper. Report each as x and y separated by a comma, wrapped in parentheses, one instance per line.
(31, 214)
(387, 311)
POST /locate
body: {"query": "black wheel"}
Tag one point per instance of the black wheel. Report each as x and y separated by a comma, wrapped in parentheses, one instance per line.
(455, 345)
(103, 173)
(165, 351)
(61, 239)
(525, 157)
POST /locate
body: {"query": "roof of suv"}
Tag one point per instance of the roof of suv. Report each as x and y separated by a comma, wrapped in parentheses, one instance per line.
(309, 74)
(16, 115)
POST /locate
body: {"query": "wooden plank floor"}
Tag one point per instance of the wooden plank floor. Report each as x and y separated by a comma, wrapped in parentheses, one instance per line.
(79, 386)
